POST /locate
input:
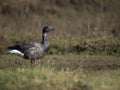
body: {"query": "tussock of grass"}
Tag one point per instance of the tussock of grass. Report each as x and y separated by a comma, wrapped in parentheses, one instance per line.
(108, 46)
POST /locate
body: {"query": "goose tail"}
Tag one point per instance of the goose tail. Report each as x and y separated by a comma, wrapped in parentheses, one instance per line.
(17, 52)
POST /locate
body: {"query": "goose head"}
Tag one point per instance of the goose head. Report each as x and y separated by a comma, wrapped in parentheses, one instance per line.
(46, 29)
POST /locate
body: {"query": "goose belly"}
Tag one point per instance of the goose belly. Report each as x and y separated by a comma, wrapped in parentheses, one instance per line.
(33, 54)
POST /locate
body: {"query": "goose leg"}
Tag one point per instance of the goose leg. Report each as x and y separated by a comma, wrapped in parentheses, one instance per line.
(33, 63)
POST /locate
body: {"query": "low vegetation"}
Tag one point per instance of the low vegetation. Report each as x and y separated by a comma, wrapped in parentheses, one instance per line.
(47, 79)
(94, 26)
(85, 45)
(60, 72)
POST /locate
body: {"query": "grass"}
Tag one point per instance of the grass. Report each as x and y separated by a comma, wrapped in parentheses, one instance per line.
(60, 62)
(40, 79)
(94, 26)
(47, 79)
(85, 45)
(60, 72)
(107, 80)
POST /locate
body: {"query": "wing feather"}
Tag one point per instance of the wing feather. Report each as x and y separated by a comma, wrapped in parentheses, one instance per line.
(26, 46)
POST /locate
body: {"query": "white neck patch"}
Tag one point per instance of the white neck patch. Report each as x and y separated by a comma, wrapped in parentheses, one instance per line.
(45, 34)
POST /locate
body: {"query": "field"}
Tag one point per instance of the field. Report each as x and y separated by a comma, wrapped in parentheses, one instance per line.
(60, 72)
(85, 46)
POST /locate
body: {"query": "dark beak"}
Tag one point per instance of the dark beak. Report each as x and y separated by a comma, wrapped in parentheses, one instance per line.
(51, 29)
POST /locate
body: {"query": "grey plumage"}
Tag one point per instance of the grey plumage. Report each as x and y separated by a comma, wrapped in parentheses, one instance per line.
(33, 50)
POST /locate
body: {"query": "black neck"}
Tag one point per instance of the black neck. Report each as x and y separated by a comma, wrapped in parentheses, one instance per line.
(45, 41)
(44, 38)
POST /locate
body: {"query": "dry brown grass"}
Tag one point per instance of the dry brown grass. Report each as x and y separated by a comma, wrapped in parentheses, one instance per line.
(86, 24)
